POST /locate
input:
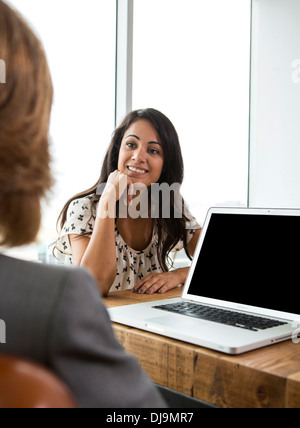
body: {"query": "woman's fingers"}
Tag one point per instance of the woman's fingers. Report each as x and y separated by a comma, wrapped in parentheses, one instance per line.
(116, 185)
(156, 283)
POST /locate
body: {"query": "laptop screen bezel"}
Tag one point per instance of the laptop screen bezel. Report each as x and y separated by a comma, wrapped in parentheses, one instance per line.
(231, 305)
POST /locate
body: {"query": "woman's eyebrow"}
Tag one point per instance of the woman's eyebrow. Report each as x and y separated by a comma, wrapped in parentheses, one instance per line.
(155, 142)
(132, 135)
(138, 138)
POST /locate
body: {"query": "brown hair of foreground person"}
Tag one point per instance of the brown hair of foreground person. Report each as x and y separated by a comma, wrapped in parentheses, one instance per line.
(25, 105)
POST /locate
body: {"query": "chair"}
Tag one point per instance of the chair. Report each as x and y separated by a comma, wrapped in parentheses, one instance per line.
(27, 384)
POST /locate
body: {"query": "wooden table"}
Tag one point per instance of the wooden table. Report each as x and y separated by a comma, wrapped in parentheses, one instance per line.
(268, 377)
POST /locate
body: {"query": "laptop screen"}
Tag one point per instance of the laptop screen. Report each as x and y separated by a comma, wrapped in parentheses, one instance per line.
(252, 260)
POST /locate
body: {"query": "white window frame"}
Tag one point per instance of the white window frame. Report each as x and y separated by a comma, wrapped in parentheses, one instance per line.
(124, 58)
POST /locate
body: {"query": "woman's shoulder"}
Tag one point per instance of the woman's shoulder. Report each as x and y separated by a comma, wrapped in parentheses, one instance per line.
(80, 216)
(84, 203)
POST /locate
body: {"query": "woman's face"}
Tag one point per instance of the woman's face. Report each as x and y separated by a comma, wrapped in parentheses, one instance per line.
(141, 155)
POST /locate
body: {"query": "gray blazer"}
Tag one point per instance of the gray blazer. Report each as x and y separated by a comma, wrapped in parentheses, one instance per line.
(54, 315)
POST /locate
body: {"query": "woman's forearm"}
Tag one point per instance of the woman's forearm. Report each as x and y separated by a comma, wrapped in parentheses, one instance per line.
(100, 255)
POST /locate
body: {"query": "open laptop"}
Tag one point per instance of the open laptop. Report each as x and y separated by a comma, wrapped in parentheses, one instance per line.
(242, 288)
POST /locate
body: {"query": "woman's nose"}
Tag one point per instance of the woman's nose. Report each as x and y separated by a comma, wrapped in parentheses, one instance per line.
(139, 155)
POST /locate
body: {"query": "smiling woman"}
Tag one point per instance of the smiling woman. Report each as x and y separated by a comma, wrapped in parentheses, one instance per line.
(141, 155)
(125, 251)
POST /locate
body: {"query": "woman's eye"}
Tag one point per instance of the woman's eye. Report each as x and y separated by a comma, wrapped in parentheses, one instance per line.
(130, 145)
(154, 151)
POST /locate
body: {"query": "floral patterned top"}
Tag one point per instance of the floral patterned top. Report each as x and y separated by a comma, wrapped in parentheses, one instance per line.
(132, 265)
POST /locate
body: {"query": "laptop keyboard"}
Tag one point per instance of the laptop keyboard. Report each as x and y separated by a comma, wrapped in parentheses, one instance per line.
(221, 316)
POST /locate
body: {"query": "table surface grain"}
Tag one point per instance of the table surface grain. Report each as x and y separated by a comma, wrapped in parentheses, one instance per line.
(267, 377)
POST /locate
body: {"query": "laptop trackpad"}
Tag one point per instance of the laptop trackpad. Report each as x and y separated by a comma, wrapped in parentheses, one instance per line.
(176, 323)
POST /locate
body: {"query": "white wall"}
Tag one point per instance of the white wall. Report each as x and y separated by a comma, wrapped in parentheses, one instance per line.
(275, 104)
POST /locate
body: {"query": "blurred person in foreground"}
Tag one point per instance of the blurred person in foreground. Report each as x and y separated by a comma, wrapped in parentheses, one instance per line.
(53, 315)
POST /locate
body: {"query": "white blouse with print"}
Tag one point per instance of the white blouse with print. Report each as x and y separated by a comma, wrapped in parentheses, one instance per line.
(132, 265)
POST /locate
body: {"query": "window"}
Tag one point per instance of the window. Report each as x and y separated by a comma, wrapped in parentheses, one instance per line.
(191, 61)
(275, 105)
(79, 39)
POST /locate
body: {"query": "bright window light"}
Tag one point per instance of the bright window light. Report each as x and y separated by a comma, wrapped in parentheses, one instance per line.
(191, 61)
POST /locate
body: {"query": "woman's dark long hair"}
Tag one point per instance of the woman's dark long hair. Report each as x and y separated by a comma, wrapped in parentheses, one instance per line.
(170, 230)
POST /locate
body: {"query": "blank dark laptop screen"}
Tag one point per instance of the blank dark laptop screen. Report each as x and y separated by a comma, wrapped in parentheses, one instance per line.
(252, 260)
